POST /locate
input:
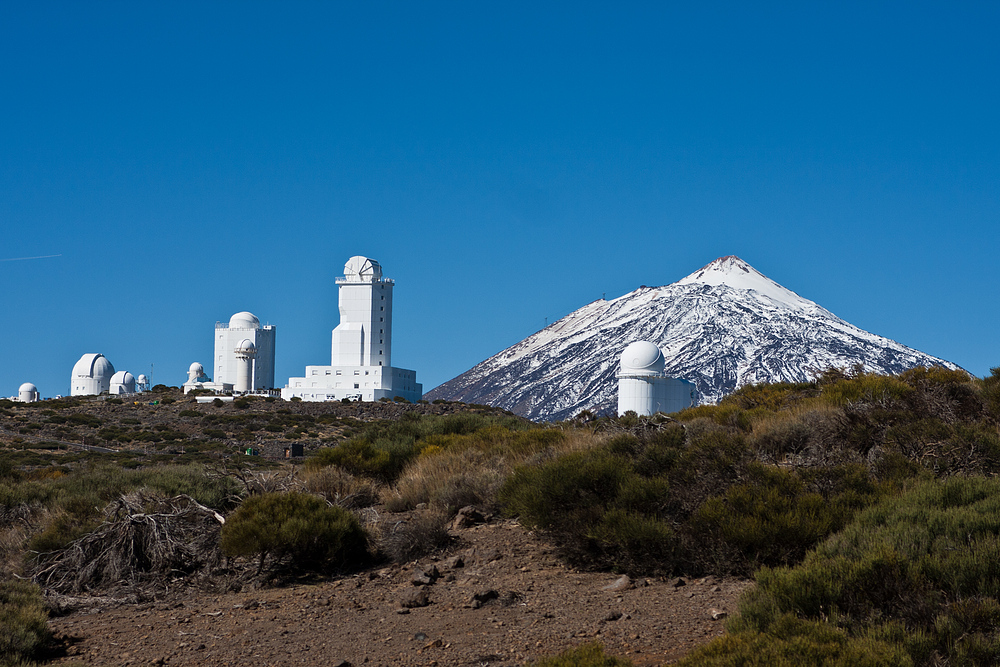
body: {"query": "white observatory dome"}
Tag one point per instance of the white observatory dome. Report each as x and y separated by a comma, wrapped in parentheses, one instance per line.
(246, 347)
(195, 368)
(362, 269)
(94, 366)
(244, 320)
(642, 358)
(123, 377)
(91, 375)
(142, 379)
(27, 393)
(122, 382)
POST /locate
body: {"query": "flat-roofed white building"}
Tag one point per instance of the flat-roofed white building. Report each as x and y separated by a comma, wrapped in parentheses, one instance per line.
(361, 353)
(235, 369)
(229, 365)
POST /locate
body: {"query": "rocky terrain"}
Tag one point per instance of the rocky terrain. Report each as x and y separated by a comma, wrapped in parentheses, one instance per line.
(497, 596)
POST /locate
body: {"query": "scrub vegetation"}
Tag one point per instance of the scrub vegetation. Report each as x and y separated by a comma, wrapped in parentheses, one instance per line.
(864, 506)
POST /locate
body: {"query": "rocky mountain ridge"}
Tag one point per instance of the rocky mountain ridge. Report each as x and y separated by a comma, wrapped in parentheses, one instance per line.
(721, 327)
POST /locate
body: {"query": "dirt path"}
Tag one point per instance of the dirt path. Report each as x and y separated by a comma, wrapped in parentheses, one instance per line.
(509, 601)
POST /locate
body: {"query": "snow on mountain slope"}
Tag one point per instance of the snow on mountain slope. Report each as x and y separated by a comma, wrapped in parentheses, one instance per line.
(721, 327)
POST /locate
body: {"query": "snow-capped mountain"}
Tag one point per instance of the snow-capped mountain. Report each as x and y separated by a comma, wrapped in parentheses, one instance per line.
(721, 327)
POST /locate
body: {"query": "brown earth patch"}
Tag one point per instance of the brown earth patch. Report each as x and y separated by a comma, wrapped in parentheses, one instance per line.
(499, 596)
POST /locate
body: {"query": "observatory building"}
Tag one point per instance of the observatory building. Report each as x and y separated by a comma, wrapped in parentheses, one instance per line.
(91, 376)
(27, 393)
(361, 355)
(244, 357)
(122, 384)
(643, 387)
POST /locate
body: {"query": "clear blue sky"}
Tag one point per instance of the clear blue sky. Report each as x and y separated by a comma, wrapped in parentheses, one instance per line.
(505, 162)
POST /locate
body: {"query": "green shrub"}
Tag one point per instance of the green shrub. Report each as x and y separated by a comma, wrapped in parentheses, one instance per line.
(82, 419)
(918, 570)
(360, 457)
(297, 529)
(24, 631)
(588, 655)
(599, 509)
(771, 518)
(792, 642)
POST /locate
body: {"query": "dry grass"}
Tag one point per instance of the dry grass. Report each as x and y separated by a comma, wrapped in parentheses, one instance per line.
(341, 488)
(469, 470)
(423, 533)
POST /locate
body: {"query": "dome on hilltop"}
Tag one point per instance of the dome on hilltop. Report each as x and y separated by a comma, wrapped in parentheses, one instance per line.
(94, 366)
(642, 357)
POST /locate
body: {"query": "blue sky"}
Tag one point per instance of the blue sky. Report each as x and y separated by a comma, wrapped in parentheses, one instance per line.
(505, 162)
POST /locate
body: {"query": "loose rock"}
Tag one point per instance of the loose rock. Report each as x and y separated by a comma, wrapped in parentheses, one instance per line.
(622, 583)
(467, 517)
(414, 598)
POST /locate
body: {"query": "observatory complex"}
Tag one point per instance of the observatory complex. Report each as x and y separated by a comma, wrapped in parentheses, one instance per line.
(644, 388)
(94, 375)
(361, 355)
(244, 357)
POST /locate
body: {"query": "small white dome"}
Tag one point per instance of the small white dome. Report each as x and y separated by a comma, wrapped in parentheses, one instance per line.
(193, 368)
(142, 379)
(123, 377)
(246, 347)
(27, 386)
(244, 320)
(642, 357)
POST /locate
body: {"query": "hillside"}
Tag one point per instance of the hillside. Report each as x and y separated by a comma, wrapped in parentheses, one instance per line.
(723, 326)
(864, 508)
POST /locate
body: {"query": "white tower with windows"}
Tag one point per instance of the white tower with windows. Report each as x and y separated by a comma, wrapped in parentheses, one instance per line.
(364, 335)
(361, 355)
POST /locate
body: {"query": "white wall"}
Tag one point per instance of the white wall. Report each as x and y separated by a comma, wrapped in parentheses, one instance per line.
(226, 364)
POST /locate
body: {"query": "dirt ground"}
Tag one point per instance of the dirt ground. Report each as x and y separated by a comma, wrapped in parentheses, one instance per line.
(498, 596)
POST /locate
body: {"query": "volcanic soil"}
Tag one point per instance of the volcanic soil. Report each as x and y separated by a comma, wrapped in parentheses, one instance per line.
(497, 596)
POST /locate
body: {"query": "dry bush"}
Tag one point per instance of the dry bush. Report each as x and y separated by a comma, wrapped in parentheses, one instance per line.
(449, 480)
(410, 539)
(341, 488)
(471, 470)
(144, 540)
(805, 435)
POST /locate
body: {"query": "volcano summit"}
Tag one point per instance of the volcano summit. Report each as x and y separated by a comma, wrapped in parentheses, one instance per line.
(721, 327)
